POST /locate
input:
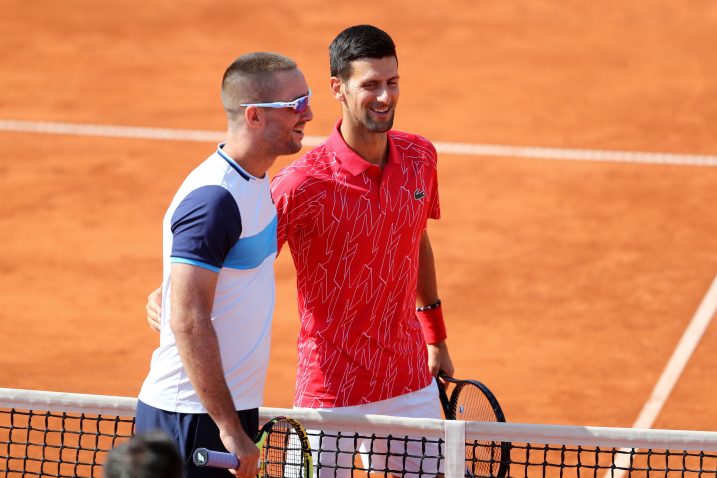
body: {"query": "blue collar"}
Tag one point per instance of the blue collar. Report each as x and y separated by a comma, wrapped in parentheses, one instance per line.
(232, 163)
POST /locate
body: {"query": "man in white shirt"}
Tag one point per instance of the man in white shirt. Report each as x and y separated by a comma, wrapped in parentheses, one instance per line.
(207, 376)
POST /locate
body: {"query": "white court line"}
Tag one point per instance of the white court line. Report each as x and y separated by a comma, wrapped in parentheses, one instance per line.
(675, 366)
(442, 147)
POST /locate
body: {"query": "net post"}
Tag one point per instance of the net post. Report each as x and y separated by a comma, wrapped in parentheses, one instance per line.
(455, 464)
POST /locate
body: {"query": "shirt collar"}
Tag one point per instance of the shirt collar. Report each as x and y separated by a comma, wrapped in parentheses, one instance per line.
(233, 163)
(350, 161)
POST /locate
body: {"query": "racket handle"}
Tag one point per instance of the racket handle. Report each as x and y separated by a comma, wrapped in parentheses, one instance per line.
(216, 459)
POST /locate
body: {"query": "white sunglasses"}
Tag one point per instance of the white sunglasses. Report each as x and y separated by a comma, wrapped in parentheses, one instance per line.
(299, 105)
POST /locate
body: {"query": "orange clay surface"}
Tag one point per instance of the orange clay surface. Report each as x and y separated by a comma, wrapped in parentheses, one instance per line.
(566, 284)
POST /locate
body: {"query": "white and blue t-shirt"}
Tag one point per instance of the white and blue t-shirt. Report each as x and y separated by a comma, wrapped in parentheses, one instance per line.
(221, 219)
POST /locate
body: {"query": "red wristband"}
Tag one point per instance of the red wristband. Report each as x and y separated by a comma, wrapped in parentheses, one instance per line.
(434, 328)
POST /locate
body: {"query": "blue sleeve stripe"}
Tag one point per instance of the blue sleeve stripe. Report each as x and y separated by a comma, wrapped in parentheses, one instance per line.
(182, 260)
(250, 252)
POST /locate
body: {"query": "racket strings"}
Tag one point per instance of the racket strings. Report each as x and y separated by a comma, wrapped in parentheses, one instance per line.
(282, 454)
(472, 405)
(483, 458)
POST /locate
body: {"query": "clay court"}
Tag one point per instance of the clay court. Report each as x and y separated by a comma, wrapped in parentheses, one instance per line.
(567, 284)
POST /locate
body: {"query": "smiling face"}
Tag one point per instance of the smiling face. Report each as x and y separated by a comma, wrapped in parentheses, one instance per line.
(284, 127)
(370, 94)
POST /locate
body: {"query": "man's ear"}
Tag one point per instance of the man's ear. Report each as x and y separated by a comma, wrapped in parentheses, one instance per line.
(254, 116)
(336, 86)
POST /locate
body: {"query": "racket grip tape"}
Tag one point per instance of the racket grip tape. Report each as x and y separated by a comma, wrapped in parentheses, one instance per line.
(215, 459)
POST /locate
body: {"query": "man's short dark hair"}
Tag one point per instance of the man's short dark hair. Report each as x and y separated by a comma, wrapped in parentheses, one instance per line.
(150, 455)
(359, 41)
(250, 79)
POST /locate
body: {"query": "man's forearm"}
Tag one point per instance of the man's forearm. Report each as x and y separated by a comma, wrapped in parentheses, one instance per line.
(427, 285)
(192, 301)
(199, 350)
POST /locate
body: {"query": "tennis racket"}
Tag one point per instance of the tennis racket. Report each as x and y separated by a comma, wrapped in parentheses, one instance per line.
(470, 400)
(284, 451)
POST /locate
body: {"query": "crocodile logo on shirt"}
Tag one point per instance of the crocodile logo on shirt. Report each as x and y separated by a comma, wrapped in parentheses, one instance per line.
(418, 195)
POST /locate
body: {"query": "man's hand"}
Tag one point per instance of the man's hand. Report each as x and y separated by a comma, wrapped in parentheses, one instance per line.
(245, 449)
(154, 309)
(439, 360)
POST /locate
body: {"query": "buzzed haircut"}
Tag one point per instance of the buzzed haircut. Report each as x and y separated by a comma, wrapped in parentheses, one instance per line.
(250, 79)
(150, 455)
(359, 41)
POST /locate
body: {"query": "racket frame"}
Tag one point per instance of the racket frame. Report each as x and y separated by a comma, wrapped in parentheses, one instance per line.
(306, 457)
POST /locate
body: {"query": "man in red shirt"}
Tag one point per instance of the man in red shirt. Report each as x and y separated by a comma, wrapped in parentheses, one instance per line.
(354, 213)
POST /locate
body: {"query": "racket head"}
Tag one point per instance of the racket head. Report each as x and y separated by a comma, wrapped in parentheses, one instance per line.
(471, 400)
(284, 449)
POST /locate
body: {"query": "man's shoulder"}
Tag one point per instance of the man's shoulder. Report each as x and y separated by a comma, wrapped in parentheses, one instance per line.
(411, 141)
(213, 170)
(409, 137)
(414, 146)
(204, 202)
(206, 183)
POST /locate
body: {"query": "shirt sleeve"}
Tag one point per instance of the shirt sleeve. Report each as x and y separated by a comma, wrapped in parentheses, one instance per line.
(205, 227)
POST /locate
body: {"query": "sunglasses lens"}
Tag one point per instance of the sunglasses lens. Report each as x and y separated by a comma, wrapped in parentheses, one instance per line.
(302, 104)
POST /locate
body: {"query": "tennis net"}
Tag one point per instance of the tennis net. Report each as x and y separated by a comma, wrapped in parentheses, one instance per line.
(69, 435)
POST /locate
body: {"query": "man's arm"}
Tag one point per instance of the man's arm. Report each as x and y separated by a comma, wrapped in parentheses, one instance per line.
(427, 293)
(192, 295)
